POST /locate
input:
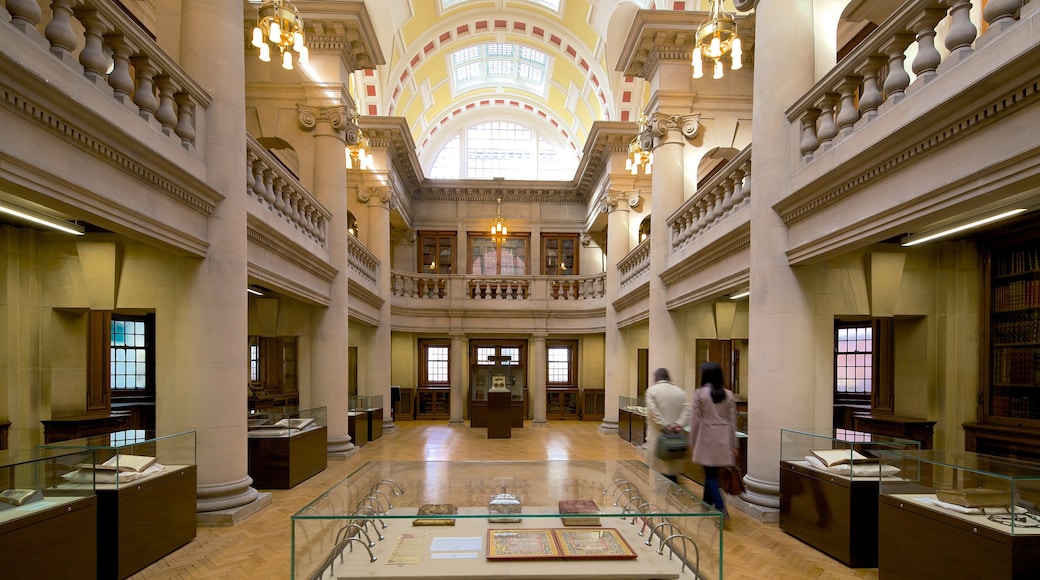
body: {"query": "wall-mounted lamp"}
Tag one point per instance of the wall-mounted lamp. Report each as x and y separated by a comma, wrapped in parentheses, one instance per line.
(41, 219)
(914, 239)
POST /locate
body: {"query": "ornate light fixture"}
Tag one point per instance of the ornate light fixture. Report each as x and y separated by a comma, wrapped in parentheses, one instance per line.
(639, 159)
(358, 156)
(499, 227)
(278, 23)
(715, 38)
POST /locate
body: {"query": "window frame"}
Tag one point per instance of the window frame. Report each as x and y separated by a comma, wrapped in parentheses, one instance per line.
(571, 346)
(472, 240)
(149, 349)
(425, 345)
(439, 240)
(849, 396)
(559, 240)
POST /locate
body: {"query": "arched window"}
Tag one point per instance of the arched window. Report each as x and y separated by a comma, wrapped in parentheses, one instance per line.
(502, 149)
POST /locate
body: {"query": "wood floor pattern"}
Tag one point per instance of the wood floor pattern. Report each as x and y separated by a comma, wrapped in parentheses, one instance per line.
(260, 546)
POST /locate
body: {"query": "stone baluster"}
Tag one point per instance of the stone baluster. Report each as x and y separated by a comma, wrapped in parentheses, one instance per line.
(738, 185)
(119, 79)
(871, 98)
(1000, 14)
(716, 209)
(848, 114)
(727, 198)
(93, 57)
(809, 142)
(25, 14)
(280, 193)
(322, 230)
(166, 114)
(185, 128)
(702, 214)
(897, 78)
(828, 128)
(144, 97)
(928, 58)
(258, 178)
(250, 177)
(962, 31)
(269, 176)
(294, 206)
(59, 30)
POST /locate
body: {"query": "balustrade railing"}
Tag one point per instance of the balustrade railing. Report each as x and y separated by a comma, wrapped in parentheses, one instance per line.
(277, 190)
(721, 196)
(512, 288)
(876, 73)
(635, 263)
(362, 261)
(98, 40)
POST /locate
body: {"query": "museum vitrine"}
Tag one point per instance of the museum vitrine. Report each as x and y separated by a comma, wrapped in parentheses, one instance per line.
(524, 519)
(365, 418)
(497, 366)
(632, 419)
(829, 490)
(140, 478)
(286, 446)
(957, 514)
(48, 525)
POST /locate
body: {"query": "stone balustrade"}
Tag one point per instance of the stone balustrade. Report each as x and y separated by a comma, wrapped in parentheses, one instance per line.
(721, 196)
(636, 263)
(277, 190)
(483, 288)
(875, 73)
(99, 41)
(362, 261)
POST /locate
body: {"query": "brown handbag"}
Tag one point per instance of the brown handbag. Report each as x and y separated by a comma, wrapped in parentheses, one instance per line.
(731, 480)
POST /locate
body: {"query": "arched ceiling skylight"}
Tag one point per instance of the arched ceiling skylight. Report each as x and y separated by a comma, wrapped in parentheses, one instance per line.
(494, 64)
(553, 5)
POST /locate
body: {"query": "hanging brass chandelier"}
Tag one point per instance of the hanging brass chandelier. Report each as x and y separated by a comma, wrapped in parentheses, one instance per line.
(716, 38)
(499, 227)
(639, 159)
(278, 24)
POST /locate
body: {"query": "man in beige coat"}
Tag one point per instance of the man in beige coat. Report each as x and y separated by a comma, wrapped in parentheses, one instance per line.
(667, 408)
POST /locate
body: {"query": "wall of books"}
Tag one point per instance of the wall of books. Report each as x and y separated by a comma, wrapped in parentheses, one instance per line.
(1014, 329)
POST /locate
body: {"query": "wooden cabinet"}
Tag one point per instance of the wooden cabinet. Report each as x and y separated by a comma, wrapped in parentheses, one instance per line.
(404, 407)
(433, 403)
(284, 462)
(593, 404)
(67, 428)
(561, 403)
(560, 254)
(57, 542)
(436, 252)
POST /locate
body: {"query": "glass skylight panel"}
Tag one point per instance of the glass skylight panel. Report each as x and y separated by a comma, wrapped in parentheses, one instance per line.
(553, 5)
(520, 66)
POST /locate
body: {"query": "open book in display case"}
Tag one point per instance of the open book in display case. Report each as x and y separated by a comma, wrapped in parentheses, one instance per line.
(38, 506)
(829, 490)
(130, 501)
(287, 446)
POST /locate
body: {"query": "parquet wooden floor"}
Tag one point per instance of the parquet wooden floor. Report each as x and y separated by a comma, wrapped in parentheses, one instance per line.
(260, 546)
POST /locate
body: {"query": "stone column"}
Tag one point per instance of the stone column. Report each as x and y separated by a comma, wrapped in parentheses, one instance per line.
(206, 329)
(330, 325)
(538, 378)
(671, 133)
(781, 338)
(377, 372)
(457, 358)
(619, 244)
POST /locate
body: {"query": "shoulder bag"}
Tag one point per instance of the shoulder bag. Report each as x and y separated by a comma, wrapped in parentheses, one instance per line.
(671, 445)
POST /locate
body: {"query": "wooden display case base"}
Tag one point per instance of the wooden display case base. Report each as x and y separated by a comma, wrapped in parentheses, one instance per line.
(52, 543)
(284, 462)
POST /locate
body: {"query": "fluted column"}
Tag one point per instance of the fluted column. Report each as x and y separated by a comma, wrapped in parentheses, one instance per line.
(457, 356)
(205, 332)
(671, 133)
(619, 244)
(377, 373)
(330, 325)
(539, 376)
(781, 334)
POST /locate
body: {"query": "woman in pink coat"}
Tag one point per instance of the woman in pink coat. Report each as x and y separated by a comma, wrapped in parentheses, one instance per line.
(713, 431)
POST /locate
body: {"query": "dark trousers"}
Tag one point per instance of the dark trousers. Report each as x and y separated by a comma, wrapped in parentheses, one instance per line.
(712, 494)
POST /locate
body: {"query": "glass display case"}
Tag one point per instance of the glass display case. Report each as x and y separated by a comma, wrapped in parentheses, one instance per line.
(365, 418)
(140, 478)
(829, 490)
(497, 373)
(287, 446)
(632, 419)
(559, 519)
(37, 506)
(959, 514)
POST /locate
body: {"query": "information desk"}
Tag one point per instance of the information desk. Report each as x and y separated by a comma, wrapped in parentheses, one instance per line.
(375, 512)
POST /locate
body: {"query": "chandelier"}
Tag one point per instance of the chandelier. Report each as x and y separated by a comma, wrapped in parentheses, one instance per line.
(716, 37)
(357, 148)
(499, 227)
(639, 159)
(278, 23)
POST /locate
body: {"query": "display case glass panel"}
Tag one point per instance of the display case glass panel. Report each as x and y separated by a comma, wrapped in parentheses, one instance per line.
(286, 421)
(988, 491)
(842, 452)
(35, 480)
(633, 405)
(119, 459)
(427, 515)
(365, 403)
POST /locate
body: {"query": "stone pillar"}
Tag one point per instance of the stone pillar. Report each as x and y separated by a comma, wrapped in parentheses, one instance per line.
(619, 244)
(781, 377)
(538, 378)
(457, 357)
(666, 338)
(206, 330)
(377, 372)
(330, 325)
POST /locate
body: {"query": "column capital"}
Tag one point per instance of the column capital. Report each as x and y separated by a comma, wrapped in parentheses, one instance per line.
(661, 124)
(310, 116)
(381, 192)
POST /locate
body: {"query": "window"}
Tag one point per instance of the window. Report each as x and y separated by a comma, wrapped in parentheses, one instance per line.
(489, 66)
(498, 256)
(562, 357)
(853, 359)
(131, 354)
(272, 364)
(499, 148)
(435, 363)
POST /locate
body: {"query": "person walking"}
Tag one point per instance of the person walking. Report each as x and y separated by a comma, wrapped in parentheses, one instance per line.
(668, 410)
(713, 432)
